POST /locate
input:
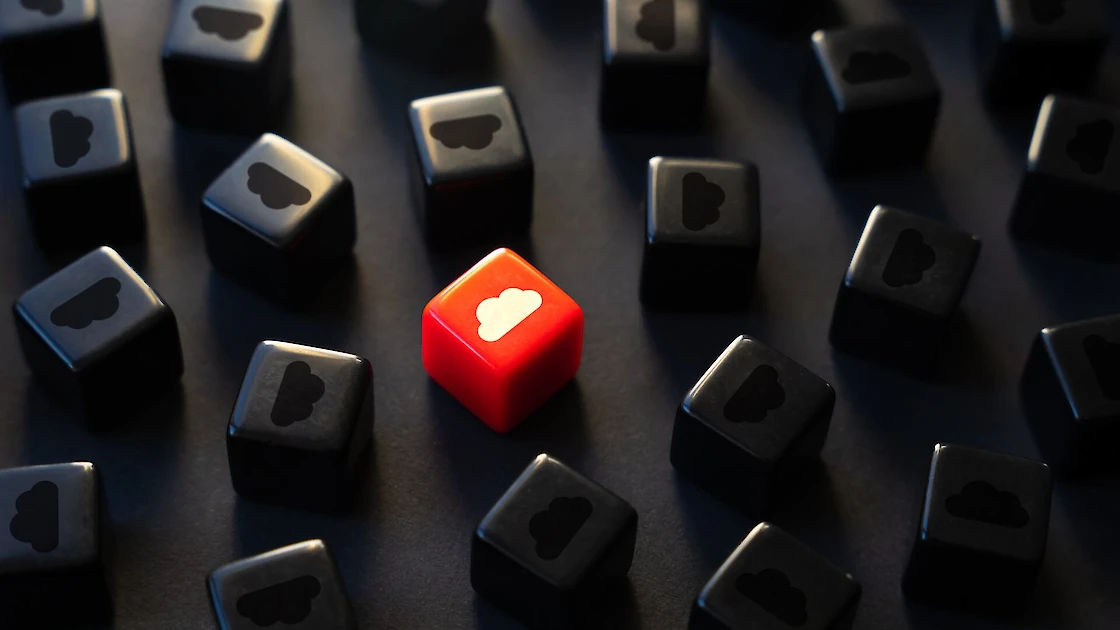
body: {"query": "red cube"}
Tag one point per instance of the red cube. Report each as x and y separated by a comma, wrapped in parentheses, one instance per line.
(502, 339)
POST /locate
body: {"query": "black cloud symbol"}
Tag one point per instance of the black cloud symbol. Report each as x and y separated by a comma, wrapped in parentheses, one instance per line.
(658, 24)
(299, 391)
(909, 260)
(701, 202)
(97, 303)
(287, 602)
(46, 7)
(554, 528)
(1104, 357)
(69, 137)
(1090, 146)
(771, 590)
(475, 132)
(36, 519)
(1046, 12)
(756, 397)
(227, 24)
(277, 190)
(869, 67)
(981, 501)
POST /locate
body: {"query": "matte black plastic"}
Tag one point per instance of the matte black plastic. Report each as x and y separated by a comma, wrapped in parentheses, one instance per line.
(44, 52)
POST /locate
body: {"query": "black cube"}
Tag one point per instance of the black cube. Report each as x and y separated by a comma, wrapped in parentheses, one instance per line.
(474, 171)
(51, 48)
(982, 534)
(772, 581)
(100, 337)
(301, 426)
(1071, 394)
(1069, 197)
(1028, 49)
(900, 293)
(656, 58)
(751, 425)
(553, 546)
(227, 64)
(702, 234)
(54, 547)
(80, 177)
(871, 100)
(279, 221)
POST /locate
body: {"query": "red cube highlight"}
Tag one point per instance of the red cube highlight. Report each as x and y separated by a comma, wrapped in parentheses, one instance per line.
(502, 339)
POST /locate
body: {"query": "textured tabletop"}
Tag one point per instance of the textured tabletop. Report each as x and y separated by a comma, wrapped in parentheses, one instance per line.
(404, 550)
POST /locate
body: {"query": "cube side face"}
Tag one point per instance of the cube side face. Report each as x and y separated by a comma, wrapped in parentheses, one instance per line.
(247, 258)
(717, 464)
(544, 373)
(68, 48)
(520, 592)
(884, 332)
(463, 373)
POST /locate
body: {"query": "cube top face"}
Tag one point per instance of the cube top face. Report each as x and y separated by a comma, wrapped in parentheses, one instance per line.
(275, 190)
(19, 18)
(301, 397)
(51, 516)
(875, 66)
(702, 202)
(774, 582)
(1051, 20)
(556, 522)
(468, 135)
(236, 32)
(297, 586)
(1086, 360)
(73, 136)
(656, 32)
(758, 398)
(505, 311)
(987, 501)
(913, 261)
(1078, 141)
(90, 307)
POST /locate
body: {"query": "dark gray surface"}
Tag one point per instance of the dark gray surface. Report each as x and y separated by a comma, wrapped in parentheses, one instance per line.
(404, 552)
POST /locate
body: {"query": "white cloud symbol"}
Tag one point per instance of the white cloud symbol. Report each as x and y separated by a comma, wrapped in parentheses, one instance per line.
(497, 316)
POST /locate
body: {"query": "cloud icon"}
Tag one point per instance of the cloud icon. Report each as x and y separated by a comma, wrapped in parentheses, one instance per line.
(287, 602)
(658, 24)
(497, 316)
(1089, 148)
(554, 528)
(701, 200)
(869, 67)
(46, 7)
(299, 391)
(227, 24)
(475, 132)
(981, 501)
(771, 590)
(69, 137)
(97, 303)
(910, 259)
(36, 519)
(760, 394)
(277, 190)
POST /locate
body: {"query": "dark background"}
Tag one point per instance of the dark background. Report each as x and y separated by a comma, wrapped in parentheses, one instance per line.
(404, 550)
